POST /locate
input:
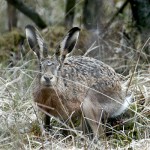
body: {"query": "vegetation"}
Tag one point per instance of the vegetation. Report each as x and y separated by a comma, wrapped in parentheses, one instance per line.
(119, 42)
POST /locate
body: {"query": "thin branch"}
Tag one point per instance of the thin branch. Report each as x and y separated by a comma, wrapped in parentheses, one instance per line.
(116, 14)
(18, 4)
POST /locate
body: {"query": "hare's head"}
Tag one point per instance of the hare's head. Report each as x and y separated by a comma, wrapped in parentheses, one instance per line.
(49, 65)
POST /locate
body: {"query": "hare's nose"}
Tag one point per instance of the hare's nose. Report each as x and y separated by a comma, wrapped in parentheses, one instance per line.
(47, 79)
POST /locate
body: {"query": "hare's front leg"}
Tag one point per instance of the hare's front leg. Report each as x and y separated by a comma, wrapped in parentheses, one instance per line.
(47, 125)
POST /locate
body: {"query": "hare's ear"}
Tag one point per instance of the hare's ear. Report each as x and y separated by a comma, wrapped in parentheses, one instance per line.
(36, 42)
(68, 43)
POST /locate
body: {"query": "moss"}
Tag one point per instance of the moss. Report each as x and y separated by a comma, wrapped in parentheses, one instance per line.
(9, 43)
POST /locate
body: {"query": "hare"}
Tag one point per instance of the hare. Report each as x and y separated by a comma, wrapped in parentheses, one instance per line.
(75, 85)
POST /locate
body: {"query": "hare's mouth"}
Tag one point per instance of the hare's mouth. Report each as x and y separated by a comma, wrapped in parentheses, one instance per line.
(48, 84)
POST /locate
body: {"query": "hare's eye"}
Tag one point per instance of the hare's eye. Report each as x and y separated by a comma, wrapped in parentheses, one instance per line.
(49, 63)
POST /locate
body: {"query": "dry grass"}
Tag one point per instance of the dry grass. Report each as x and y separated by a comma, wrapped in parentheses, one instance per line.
(21, 126)
(21, 123)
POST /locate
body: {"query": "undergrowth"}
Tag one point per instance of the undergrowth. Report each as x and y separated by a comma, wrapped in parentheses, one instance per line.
(21, 125)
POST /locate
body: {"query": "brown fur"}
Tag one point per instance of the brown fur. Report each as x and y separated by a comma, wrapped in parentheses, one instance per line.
(54, 103)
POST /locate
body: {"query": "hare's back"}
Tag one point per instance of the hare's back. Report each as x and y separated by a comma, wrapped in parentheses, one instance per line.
(90, 72)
